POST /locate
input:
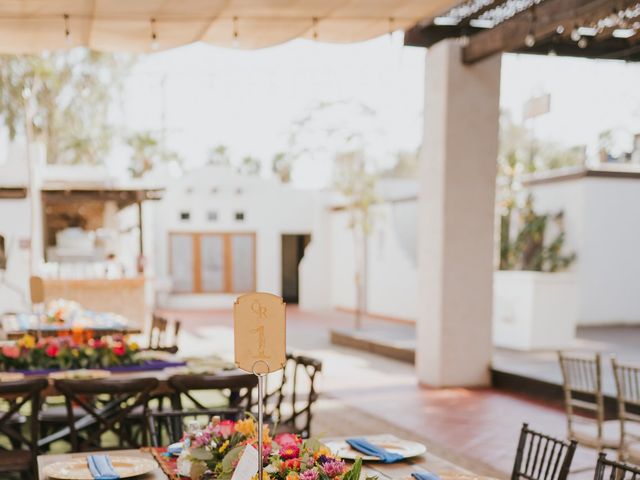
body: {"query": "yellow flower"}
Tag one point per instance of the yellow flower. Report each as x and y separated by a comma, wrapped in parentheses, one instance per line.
(293, 476)
(134, 346)
(246, 427)
(322, 451)
(266, 438)
(75, 353)
(27, 341)
(265, 476)
(224, 446)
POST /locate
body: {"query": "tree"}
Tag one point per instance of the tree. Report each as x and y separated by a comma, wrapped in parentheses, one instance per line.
(64, 98)
(282, 166)
(250, 166)
(147, 152)
(219, 156)
(354, 179)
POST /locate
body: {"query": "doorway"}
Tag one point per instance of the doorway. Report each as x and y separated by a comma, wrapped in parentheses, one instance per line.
(292, 252)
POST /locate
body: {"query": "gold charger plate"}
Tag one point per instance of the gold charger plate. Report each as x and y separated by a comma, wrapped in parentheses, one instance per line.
(11, 376)
(81, 374)
(77, 469)
(391, 443)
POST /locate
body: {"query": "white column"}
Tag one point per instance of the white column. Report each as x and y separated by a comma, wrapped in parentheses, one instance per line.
(457, 193)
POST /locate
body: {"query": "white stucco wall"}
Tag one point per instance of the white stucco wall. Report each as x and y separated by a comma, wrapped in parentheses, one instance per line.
(602, 227)
(270, 208)
(392, 289)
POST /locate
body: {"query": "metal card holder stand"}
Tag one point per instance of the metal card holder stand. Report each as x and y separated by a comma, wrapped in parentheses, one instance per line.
(261, 377)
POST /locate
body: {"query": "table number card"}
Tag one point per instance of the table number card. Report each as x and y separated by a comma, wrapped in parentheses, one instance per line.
(247, 465)
(259, 332)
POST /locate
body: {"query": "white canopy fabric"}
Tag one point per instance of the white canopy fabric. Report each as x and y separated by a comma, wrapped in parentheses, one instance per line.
(28, 26)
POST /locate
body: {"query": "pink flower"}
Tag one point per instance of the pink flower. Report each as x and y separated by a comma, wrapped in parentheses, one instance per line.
(333, 468)
(225, 428)
(119, 349)
(52, 350)
(10, 351)
(289, 451)
(287, 439)
(309, 475)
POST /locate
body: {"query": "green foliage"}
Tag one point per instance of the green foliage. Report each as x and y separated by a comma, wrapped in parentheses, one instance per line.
(63, 100)
(146, 152)
(219, 156)
(529, 250)
(250, 166)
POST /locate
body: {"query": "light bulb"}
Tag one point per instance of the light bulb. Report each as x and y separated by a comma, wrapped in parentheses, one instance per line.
(68, 38)
(464, 40)
(560, 29)
(530, 40)
(552, 52)
(582, 43)
(155, 44)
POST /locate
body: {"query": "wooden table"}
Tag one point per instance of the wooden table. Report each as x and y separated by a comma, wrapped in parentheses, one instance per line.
(44, 460)
(96, 332)
(427, 462)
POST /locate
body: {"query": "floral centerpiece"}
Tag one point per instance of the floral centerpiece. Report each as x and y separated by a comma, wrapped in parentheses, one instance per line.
(215, 451)
(65, 353)
(61, 312)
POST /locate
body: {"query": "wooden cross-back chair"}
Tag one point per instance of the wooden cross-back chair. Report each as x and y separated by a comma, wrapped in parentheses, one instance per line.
(541, 457)
(584, 402)
(237, 389)
(173, 423)
(159, 334)
(125, 395)
(18, 394)
(627, 377)
(610, 470)
(290, 405)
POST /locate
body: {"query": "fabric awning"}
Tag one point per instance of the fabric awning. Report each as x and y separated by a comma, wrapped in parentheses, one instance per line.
(28, 26)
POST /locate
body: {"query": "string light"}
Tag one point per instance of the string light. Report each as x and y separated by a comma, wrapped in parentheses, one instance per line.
(67, 30)
(391, 30)
(314, 31)
(154, 35)
(530, 39)
(575, 34)
(235, 43)
(582, 43)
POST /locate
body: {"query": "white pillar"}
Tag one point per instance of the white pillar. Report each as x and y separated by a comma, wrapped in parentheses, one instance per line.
(457, 194)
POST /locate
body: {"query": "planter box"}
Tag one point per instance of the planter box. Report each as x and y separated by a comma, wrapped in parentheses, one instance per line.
(534, 310)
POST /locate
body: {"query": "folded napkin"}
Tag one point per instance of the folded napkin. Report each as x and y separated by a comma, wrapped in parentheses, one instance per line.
(175, 448)
(365, 446)
(425, 476)
(101, 468)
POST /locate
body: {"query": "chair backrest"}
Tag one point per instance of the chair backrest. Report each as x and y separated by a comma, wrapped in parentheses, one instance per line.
(17, 394)
(237, 388)
(627, 377)
(582, 385)
(124, 395)
(541, 457)
(173, 422)
(299, 386)
(159, 334)
(610, 470)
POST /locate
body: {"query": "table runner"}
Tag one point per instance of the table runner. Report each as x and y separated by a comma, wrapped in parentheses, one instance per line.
(147, 366)
(168, 463)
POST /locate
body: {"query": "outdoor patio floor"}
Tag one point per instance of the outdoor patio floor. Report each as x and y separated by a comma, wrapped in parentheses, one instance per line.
(477, 428)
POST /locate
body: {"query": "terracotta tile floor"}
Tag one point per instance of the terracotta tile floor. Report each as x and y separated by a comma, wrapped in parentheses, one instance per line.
(480, 424)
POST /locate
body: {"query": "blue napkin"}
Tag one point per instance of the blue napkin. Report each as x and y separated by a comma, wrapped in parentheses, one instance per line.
(101, 468)
(425, 476)
(175, 448)
(368, 448)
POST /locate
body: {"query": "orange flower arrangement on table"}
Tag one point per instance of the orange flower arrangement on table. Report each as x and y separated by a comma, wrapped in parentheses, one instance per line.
(66, 353)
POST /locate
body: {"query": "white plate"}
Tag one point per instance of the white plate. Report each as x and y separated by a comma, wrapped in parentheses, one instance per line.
(77, 469)
(393, 444)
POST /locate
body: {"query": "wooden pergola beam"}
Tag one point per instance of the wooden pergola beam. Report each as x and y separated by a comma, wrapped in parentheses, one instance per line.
(509, 35)
(13, 192)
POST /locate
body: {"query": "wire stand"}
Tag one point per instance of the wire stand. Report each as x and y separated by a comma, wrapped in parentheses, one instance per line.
(261, 377)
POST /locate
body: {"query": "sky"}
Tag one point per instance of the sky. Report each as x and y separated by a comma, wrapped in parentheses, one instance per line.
(205, 96)
(202, 96)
